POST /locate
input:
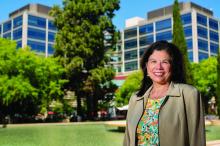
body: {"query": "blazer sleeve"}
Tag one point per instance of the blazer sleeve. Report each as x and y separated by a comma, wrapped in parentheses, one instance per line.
(195, 118)
(127, 141)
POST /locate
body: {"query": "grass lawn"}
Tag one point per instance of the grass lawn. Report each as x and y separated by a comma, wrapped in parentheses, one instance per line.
(71, 135)
(212, 133)
(61, 135)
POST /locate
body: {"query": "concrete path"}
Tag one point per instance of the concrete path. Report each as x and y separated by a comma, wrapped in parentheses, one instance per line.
(213, 143)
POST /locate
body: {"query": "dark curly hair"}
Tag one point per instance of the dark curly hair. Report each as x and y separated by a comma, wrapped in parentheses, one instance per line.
(177, 64)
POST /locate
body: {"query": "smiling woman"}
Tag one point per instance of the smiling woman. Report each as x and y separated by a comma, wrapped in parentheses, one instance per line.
(151, 119)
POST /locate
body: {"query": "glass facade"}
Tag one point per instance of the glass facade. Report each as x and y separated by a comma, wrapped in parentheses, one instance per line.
(37, 46)
(7, 26)
(214, 48)
(17, 34)
(213, 36)
(36, 34)
(51, 25)
(131, 44)
(213, 24)
(201, 19)
(17, 21)
(190, 56)
(203, 55)
(146, 29)
(167, 35)
(129, 55)
(130, 66)
(51, 36)
(189, 44)
(36, 21)
(141, 51)
(188, 31)
(130, 33)
(50, 49)
(186, 18)
(202, 32)
(7, 35)
(19, 44)
(146, 40)
(164, 24)
(203, 45)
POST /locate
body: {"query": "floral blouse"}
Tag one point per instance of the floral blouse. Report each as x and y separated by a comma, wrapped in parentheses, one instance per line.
(147, 130)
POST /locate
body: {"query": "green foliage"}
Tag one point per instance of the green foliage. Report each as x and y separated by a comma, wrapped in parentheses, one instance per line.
(204, 74)
(85, 33)
(27, 78)
(131, 85)
(179, 40)
(218, 83)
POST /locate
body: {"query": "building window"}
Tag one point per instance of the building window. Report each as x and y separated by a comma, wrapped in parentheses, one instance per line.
(37, 46)
(17, 34)
(131, 44)
(213, 24)
(213, 36)
(51, 36)
(188, 31)
(130, 66)
(19, 44)
(145, 29)
(51, 25)
(146, 40)
(130, 33)
(202, 32)
(203, 55)
(0, 30)
(214, 48)
(7, 26)
(141, 51)
(203, 45)
(201, 19)
(7, 35)
(17, 21)
(190, 56)
(36, 21)
(50, 49)
(186, 18)
(36, 34)
(164, 24)
(189, 44)
(164, 36)
(131, 55)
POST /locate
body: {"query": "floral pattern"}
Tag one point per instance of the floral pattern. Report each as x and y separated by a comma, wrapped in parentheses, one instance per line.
(147, 130)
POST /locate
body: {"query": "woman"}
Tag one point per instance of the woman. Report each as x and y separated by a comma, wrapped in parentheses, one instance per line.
(165, 111)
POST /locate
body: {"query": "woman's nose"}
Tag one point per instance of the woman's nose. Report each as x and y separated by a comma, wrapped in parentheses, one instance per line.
(159, 65)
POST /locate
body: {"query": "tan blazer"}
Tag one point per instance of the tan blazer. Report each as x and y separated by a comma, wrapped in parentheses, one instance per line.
(181, 120)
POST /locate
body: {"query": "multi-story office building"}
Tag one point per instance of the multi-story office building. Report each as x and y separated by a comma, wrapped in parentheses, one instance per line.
(200, 27)
(31, 26)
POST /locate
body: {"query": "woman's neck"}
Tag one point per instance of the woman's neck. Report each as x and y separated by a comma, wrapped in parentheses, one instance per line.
(159, 90)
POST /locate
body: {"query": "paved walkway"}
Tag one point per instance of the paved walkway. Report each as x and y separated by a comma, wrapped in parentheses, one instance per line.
(213, 143)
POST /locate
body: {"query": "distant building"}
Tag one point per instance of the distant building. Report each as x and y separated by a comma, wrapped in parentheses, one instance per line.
(31, 25)
(200, 27)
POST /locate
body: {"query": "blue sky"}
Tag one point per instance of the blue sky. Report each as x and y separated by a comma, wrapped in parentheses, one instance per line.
(129, 8)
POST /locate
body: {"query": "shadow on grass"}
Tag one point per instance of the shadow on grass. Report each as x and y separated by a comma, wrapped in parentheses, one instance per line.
(118, 130)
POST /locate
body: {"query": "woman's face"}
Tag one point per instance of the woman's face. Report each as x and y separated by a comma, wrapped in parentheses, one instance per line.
(159, 67)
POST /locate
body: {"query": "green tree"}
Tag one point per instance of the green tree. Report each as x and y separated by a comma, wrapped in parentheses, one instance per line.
(85, 32)
(205, 76)
(131, 85)
(179, 40)
(28, 82)
(218, 83)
